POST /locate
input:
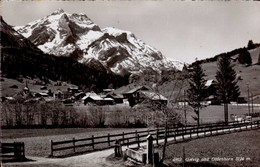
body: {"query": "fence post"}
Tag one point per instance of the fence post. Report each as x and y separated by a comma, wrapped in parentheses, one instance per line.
(138, 143)
(74, 145)
(16, 155)
(23, 150)
(93, 144)
(157, 137)
(123, 136)
(51, 148)
(183, 134)
(198, 132)
(108, 139)
(150, 150)
(175, 135)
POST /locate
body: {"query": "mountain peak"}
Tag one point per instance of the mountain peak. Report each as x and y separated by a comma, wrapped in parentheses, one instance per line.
(77, 36)
(58, 11)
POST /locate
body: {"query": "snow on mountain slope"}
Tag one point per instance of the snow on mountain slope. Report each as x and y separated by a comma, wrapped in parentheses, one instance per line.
(75, 35)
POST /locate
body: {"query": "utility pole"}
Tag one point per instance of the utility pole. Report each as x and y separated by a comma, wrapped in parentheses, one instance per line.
(248, 99)
(252, 100)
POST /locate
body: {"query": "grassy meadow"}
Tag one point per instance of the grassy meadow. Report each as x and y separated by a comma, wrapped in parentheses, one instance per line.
(215, 113)
(240, 149)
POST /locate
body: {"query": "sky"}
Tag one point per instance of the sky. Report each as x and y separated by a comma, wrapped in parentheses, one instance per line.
(180, 30)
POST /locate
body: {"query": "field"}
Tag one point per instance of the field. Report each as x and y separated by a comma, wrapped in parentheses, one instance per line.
(236, 149)
(37, 141)
(215, 113)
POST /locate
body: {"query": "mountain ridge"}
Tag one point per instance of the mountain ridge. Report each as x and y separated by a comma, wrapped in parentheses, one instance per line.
(77, 36)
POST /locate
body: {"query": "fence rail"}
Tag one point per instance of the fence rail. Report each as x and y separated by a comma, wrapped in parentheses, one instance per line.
(12, 150)
(136, 137)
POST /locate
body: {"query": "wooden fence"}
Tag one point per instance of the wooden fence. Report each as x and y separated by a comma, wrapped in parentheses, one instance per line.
(178, 133)
(12, 150)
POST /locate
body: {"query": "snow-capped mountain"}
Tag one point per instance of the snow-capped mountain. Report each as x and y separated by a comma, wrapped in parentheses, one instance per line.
(75, 35)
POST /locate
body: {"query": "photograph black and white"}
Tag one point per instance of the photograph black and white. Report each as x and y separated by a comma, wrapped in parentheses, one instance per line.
(151, 83)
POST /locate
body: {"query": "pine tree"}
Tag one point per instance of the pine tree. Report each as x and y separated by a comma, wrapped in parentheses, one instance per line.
(197, 89)
(250, 44)
(245, 57)
(227, 88)
(258, 62)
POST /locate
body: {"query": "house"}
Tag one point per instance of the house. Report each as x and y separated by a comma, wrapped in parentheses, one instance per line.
(43, 88)
(142, 93)
(108, 101)
(133, 92)
(241, 100)
(210, 87)
(79, 95)
(41, 94)
(152, 96)
(73, 90)
(116, 97)
(97, 100)
(108, 90)
(59, 94)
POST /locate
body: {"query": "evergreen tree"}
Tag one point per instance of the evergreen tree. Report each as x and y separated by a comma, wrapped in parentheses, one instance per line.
(227, 88)
(197, 89)
(245, 57)
(258, 62)
(250, 44)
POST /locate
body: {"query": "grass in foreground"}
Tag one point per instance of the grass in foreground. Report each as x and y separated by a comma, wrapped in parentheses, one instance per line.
(223, 150)
(37, 141)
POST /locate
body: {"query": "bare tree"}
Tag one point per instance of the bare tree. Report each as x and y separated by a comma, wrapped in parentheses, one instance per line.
(97, 116)
(169, 84)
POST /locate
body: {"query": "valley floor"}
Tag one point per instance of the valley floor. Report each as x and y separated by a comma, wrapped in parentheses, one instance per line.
(235, 145)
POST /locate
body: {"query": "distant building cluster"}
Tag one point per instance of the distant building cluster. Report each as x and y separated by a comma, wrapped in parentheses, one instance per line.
(73, 95)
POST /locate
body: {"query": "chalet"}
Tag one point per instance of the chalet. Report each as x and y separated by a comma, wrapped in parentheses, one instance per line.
(241, 100)
(211, 87)
(142, 93)
(133, 92)
(73, 90)
(79, 95)
(14, 86)
(97, 100)
(59, 94)
(152, 96)
(43, 88)
(116, 97)
(41, 94)
(108, 101)
(108, 90)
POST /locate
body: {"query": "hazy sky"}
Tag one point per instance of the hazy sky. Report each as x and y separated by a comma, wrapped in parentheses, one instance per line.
(180, 30)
